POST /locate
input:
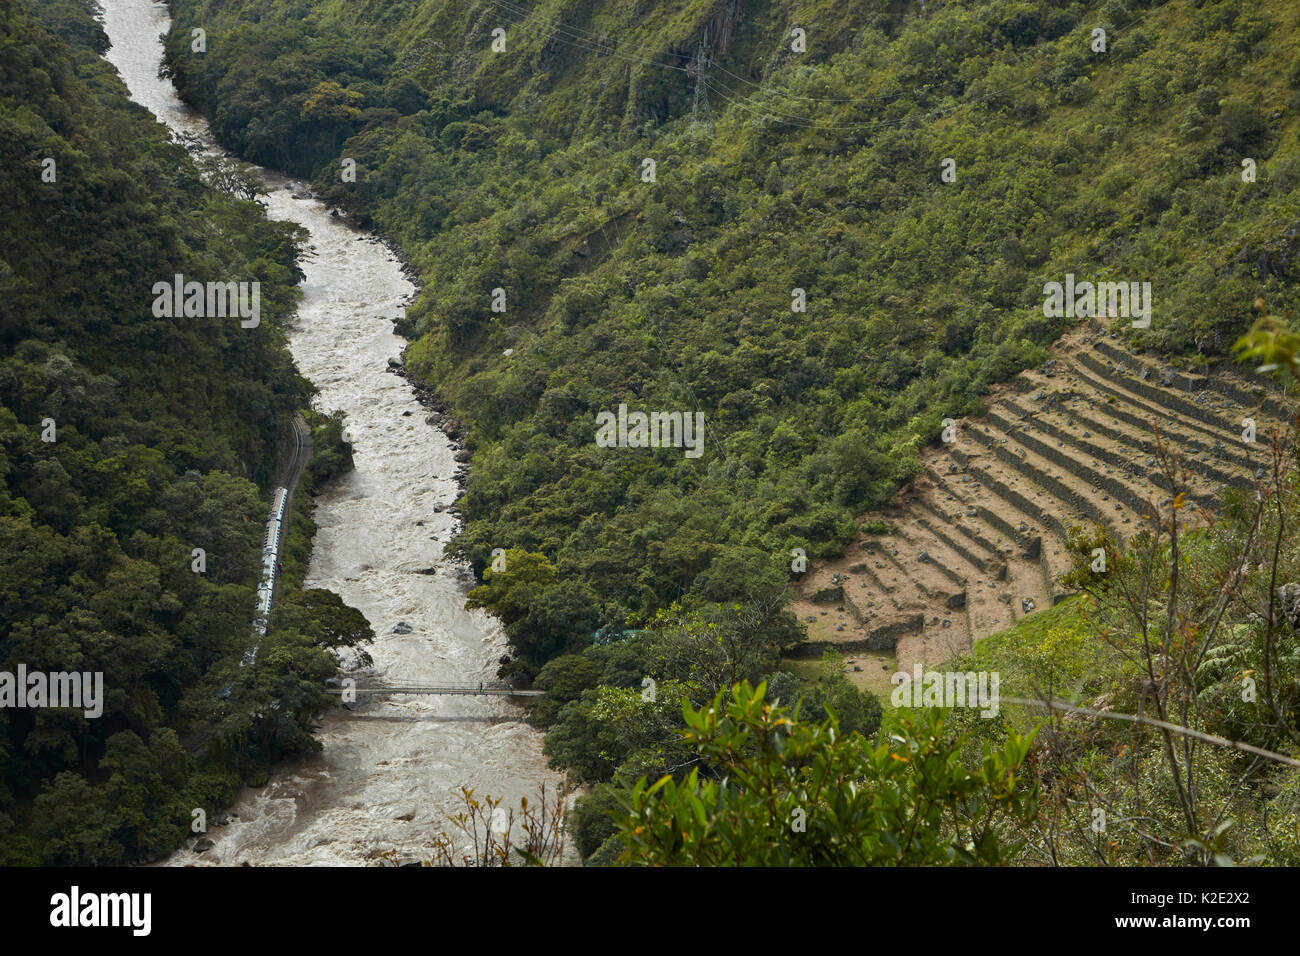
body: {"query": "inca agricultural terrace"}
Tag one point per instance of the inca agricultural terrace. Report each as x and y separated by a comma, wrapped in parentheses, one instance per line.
(978, 540)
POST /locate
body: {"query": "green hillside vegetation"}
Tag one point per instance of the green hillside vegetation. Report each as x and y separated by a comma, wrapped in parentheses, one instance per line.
(522, 171)
(775, 171)
(166, 436)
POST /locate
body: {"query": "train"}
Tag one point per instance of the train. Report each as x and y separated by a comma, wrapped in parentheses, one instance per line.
(275, 523)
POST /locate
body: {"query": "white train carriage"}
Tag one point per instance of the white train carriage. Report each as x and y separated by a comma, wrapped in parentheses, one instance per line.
(271, 546)
(271, 557)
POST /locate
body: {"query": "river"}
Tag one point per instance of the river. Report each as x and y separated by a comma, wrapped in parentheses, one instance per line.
(391, 770)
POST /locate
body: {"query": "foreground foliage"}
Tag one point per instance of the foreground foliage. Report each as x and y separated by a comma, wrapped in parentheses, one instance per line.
(777, 791)
(1191, 633)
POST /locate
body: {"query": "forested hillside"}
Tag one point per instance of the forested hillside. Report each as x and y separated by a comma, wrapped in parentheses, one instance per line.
(127, 441)
(827, 227)
(775, 170)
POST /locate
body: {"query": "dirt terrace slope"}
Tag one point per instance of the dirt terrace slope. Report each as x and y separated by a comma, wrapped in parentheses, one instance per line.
(980, 534)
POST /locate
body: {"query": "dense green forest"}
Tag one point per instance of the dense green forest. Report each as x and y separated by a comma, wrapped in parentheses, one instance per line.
(774, 170)
(913, 173)
(126, 442)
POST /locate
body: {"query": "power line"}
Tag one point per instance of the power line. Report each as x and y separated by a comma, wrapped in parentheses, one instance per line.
(579, 39)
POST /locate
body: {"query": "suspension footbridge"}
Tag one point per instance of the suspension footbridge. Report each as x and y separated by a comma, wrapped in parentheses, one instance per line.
(462, 690)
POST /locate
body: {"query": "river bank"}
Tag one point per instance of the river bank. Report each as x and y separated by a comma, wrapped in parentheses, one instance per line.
(390, 770)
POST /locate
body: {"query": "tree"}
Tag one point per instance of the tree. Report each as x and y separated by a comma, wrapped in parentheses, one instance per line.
(780, 792)
(581, 745)
(332, 109)
(564, 678)
(73, 824)
(231, 176)
(541, 614)
(719, 645)
(322, 613)
(594, 818)
(331, 103)
(857, 710)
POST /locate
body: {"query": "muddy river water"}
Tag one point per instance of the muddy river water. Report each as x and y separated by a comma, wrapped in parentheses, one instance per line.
(390, 770)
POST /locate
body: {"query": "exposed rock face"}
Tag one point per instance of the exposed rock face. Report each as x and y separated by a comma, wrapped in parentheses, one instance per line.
(719, 30)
